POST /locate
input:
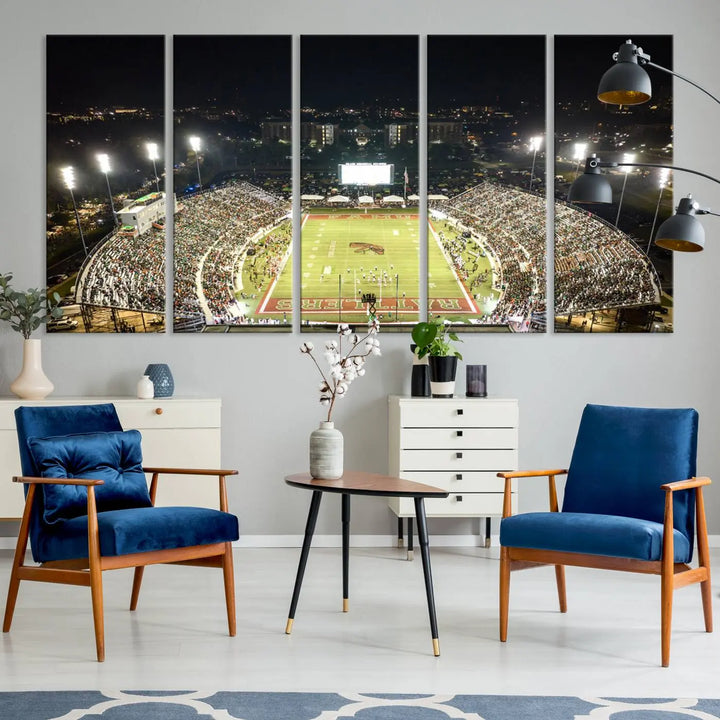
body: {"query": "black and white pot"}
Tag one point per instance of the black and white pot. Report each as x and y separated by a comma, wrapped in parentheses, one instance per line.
(442, 375)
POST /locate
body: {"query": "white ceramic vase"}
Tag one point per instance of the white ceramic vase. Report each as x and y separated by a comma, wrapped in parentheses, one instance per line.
(326, 452)
(32, 383)
(145, 388)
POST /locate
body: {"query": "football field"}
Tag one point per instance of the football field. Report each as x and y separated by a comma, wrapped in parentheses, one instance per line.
(348, 253)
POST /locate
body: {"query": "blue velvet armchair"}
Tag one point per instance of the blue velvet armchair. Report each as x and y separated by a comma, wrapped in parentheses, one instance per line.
(88, 509)
(631, 503)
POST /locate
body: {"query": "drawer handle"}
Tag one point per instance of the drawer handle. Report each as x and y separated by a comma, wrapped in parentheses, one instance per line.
(458, 456)
(158, 411)
(458, 476)
(460, 411)
(458, 498)
(458, 433)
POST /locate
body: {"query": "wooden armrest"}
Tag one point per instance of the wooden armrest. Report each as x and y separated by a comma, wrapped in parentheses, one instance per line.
(531, 473)
(189, 471)
(686, 484)
(57, 481)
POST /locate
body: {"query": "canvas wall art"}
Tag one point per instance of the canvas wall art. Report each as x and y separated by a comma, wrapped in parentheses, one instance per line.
(486, 182)
(232, 150)
(105, 239)
(609, 276)
(359, 180)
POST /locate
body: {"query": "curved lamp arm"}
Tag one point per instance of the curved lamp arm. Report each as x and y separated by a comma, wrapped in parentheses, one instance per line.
(644, 61)
(601, 163)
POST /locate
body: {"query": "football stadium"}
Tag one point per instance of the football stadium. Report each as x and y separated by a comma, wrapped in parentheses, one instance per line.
(486, 262)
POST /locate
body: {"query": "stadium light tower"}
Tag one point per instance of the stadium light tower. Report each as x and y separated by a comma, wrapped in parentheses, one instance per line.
(195, 145)
(153, 154)
(628, 158)
(579, 154)
(662, 182)
(68, 176)
(535, 143)
(104, 162)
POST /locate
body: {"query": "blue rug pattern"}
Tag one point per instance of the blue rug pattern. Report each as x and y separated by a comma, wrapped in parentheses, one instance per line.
(187, 705)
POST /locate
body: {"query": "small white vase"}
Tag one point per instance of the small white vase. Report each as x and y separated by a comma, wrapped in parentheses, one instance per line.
(32, 383)
(145, 388)
(326, 452)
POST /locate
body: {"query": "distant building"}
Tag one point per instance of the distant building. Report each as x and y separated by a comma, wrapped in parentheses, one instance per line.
(319, 133)
(276, 130)
(445, 131)
(143, 212)
(400, 133)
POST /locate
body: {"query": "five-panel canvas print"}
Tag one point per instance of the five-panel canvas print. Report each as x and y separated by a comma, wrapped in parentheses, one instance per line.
(491, 200)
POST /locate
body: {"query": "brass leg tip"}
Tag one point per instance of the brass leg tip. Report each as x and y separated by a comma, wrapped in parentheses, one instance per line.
(436, 647)
(346, 604)
(288, 627)
(409, 554)
(401, 542)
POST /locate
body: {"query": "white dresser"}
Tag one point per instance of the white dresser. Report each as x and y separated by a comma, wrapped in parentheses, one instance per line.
(458, 444)
(176, 432)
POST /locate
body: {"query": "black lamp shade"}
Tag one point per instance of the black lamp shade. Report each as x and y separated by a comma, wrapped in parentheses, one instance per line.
(589, 188)
(682, 232)
(625, 83)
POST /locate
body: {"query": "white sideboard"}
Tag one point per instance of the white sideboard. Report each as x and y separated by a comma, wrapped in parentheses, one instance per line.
(458, 444)
(177, 432)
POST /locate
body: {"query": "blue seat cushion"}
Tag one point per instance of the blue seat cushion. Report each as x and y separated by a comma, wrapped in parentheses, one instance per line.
(592, 534)
(137, 530)
(114, 457)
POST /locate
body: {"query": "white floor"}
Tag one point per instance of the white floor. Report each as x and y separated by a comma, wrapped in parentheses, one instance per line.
(608, 644)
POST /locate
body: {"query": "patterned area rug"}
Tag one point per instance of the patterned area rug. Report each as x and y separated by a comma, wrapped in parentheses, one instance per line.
(186, 705)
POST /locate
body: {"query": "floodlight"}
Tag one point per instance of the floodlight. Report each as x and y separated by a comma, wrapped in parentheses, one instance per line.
(104, 162)
(152, 150)
(68, 176)
(195, 143)
(628, 158)
(580, 150)
(535, 143)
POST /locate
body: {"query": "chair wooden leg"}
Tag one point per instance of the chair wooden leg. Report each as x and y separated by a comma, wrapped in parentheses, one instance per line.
(137, 581)
(96, 588)
(504, 591)
(667, 580)
(704, 559)
(560, 580)
(18, 560)
(229, 578)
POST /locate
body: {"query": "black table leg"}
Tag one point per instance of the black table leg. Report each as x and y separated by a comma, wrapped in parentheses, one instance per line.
(400, 532)
(425, 553)
(309, 530)
(410, 539)
(487, 532)
(346, 549)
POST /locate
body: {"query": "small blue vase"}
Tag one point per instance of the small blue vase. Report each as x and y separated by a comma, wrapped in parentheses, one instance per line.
(162, 379)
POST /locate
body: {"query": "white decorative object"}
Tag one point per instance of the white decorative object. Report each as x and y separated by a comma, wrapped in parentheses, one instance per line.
(32, 383)
(326, 452)
(145, 388)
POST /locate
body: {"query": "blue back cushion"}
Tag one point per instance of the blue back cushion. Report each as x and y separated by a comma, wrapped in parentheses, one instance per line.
(623, 454)
(114, 457)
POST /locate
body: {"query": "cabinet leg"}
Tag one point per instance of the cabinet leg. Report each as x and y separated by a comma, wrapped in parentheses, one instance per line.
(346, 550)
(487, 532)
(409, 538)
(400, 540)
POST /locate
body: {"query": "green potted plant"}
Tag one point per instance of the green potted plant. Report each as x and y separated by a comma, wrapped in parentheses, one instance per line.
(435, 339)
(26, 312)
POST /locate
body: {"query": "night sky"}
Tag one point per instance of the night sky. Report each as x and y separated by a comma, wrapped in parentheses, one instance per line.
(353, 70)
(496, 70)
(105, 71)
(581, 60)
(248, 72)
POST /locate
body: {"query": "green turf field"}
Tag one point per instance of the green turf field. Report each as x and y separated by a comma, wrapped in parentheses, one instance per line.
(346, 253)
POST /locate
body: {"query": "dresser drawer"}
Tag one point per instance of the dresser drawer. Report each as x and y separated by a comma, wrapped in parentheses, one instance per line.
(458, 460)
(451, 438)
(458, 482)
(458, 412)
(168, 413)
(456, 505)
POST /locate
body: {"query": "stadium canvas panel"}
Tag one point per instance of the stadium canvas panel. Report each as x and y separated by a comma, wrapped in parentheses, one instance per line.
(105, 248)
(232, 171)
(359, 180)
(609, 276)
(486, 182)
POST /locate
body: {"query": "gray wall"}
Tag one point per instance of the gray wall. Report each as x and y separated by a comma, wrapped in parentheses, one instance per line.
(268, 388)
